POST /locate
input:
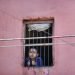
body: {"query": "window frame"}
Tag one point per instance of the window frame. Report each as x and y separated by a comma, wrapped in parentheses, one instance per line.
(37, 20)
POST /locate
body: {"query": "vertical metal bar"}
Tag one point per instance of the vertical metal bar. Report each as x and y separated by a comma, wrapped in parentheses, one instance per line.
(33, 38)
(37, 41)
(29, 39)
(29, 43)
(44, 50)
(48, 49)
(40, 47)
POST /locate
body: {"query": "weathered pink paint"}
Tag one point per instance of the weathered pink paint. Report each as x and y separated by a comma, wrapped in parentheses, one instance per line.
(11, 26)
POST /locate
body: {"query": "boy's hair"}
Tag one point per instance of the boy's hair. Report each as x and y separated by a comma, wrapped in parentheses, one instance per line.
(34, 49)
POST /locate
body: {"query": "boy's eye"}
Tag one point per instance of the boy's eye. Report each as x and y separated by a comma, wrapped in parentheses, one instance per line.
(32, 52)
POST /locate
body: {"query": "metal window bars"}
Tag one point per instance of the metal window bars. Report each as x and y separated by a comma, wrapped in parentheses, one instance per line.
(38, 41)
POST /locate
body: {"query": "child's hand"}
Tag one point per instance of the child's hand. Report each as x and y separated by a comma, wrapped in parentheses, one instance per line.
(28, 63)
(33, 63)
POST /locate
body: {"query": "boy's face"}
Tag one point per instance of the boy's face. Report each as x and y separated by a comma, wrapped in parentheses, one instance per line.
(33, 53)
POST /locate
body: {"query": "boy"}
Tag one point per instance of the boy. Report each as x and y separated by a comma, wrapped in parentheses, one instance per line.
(33, 59)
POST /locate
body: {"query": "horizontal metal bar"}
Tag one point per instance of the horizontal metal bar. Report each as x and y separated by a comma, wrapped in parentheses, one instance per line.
(46, 44)
(11, 39)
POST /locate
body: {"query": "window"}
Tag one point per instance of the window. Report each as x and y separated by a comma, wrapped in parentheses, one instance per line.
(38, 47)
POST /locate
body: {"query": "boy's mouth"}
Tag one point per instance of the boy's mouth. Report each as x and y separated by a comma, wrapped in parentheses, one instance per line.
(32, 56)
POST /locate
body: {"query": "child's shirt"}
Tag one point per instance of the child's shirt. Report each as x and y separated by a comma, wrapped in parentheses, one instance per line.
(38, 62)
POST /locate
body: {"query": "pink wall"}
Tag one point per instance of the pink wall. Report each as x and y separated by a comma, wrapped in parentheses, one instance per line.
(12, 12)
